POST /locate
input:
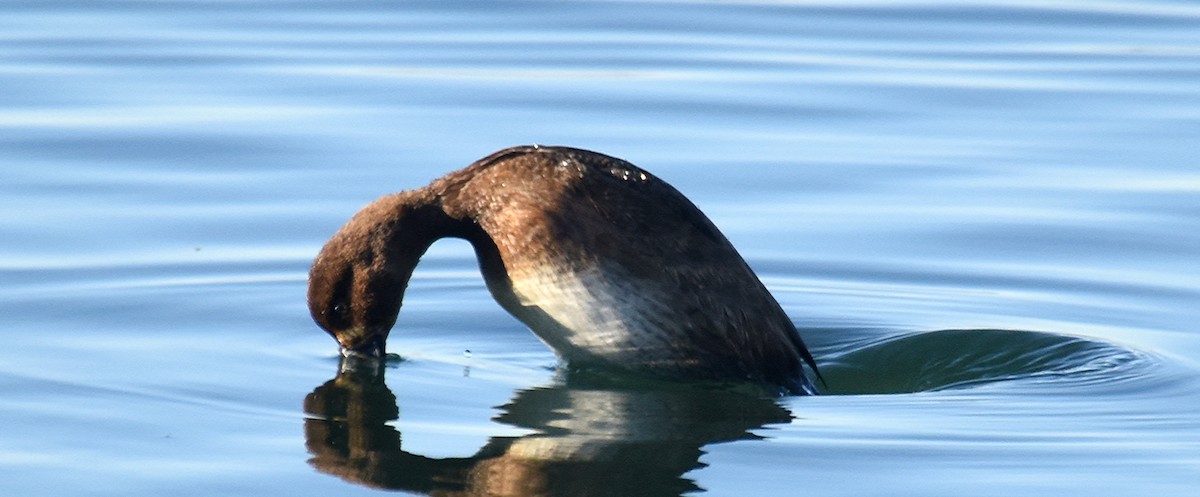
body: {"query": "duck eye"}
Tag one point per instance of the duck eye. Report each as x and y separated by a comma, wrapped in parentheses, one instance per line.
(339, 311)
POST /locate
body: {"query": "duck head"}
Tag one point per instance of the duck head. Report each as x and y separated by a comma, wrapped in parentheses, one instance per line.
(357, 282)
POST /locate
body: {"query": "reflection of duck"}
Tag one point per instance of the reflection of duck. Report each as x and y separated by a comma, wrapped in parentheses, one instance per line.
(607, 264)
(590, 439)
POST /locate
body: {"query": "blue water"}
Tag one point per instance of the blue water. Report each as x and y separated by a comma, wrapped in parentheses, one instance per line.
(983, 216)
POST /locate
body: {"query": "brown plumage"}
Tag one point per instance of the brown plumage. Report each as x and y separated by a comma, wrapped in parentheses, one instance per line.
(607, 264)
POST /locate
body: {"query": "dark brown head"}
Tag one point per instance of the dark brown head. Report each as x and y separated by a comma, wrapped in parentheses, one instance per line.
(356, 284)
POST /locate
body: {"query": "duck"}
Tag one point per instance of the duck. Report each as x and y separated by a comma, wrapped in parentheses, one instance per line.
(607, 264)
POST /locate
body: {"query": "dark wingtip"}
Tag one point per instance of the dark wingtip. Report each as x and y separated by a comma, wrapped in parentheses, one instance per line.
(824, 384)
(812, 363)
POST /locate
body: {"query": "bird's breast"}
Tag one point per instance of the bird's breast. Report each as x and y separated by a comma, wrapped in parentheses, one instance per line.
(594, 314)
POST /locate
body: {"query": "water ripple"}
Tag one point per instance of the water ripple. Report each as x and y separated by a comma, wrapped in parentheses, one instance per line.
(955, 359)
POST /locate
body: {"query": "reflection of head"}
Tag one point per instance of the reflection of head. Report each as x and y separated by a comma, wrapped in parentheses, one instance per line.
(589, 440)
(349, 437)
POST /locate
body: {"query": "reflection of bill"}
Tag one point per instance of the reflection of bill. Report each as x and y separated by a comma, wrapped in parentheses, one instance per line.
(591, 438)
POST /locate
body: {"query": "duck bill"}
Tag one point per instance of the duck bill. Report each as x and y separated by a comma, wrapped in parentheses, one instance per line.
(373, 347)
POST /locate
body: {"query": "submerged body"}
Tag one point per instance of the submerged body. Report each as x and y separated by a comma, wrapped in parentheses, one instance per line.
(608, 265)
